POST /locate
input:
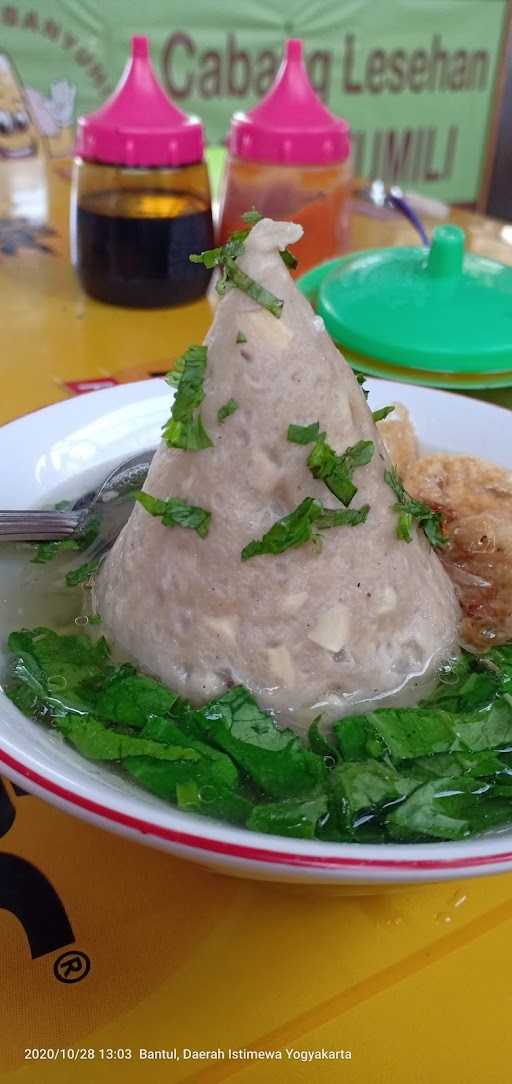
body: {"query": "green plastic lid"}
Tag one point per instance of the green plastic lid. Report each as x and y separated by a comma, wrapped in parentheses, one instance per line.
(436, 311)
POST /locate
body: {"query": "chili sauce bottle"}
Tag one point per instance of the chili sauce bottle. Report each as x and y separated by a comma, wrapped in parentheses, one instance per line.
(289, 158)
(140, 195)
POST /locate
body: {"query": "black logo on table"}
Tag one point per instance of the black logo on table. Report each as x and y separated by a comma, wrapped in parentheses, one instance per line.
(32, 899)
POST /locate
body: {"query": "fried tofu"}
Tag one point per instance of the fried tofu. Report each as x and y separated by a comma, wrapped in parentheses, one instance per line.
(475, 500)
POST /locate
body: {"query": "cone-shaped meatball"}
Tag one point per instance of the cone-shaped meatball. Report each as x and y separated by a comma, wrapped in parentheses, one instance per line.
(333, 608)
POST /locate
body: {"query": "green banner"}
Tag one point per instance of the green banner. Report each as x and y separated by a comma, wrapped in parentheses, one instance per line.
(415, 78)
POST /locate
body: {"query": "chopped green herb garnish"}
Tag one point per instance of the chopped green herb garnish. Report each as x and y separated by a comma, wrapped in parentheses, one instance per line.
(292, 530)
(251, 218)
(228, 408)
(336, 470)
(216, 257)
(83, 573)
(404, 525)
(225, 257)
(253, 289)
(94, 619)
(409, 509)
(303, 434)
(379, 415)
(298, 527)
(342, 517)
(290, 261)
(174, 376)
(241, 338)
(176, 513)
(185, 428)
(191, 436)
(361, 380)
(46, 551)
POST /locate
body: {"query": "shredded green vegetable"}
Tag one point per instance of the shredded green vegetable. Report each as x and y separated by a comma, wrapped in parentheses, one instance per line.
(440, 771)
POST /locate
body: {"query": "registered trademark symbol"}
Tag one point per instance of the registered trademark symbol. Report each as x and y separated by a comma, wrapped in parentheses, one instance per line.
(72, 967)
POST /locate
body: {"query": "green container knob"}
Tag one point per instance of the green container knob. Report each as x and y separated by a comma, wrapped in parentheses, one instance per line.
(439, 316)
(446, 255)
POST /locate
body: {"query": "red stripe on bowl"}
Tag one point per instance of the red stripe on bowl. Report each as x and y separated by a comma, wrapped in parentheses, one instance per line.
(235, 850)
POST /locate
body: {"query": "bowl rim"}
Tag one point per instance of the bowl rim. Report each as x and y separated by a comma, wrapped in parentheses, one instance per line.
(247, 852)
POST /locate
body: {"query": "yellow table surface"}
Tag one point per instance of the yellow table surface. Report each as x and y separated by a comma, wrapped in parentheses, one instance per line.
(414, 983)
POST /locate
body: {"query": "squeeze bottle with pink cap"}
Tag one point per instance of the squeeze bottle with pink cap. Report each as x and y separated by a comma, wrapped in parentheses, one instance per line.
(289, 158)
(140, 195)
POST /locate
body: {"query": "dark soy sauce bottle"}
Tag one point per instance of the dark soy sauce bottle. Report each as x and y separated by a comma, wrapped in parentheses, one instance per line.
(140, 196)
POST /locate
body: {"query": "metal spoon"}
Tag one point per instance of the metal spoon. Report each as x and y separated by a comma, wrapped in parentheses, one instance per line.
(112, 502)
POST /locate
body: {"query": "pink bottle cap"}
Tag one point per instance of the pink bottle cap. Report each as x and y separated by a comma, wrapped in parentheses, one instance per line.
(139, 125)
(290, 126)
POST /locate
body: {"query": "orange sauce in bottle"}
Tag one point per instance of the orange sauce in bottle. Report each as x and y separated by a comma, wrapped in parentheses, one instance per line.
(289, 157)
(318, 198)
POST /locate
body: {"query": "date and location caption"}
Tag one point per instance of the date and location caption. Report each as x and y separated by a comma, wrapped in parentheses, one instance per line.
(127, 1053)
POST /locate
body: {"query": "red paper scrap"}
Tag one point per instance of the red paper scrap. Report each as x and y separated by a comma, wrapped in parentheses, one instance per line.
(81, 387)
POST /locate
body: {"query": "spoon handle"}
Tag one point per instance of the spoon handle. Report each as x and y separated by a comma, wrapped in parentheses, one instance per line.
(30, 526)
(396, 199)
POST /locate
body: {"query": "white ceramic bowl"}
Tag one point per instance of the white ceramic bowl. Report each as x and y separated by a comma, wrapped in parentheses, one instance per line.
(55, 448)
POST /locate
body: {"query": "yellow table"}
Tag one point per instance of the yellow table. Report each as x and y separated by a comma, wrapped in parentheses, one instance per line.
(414, 984)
